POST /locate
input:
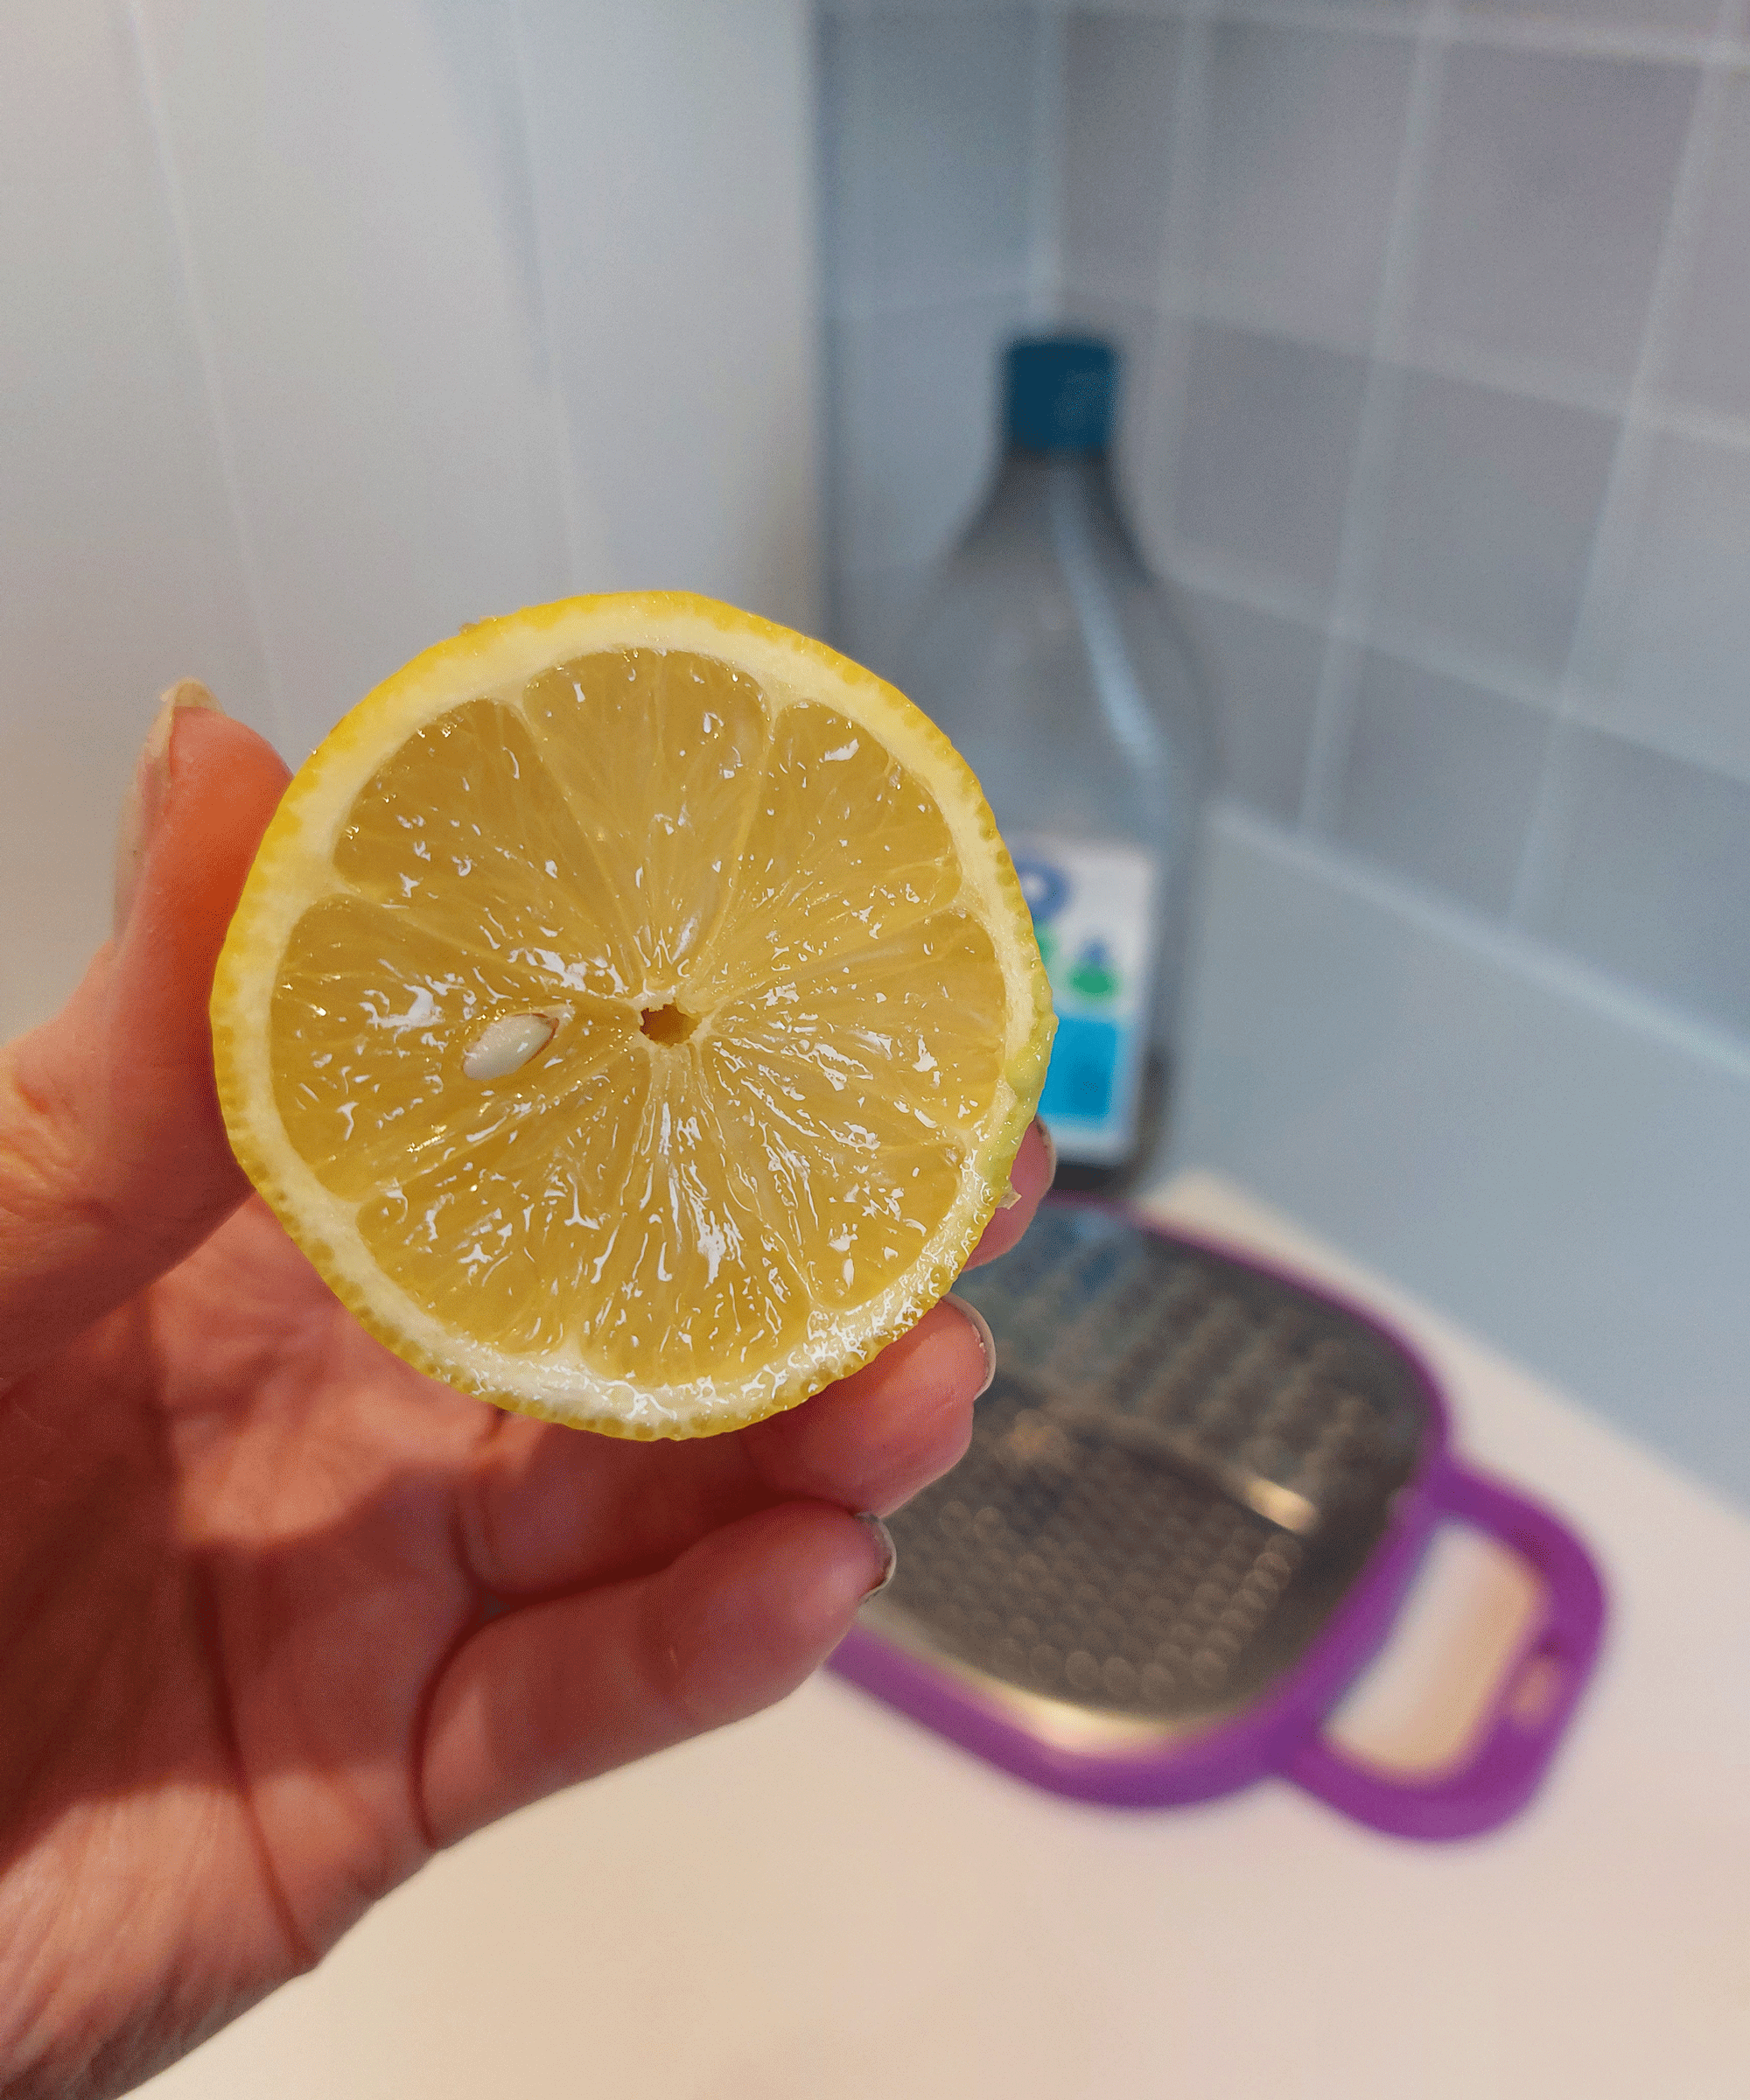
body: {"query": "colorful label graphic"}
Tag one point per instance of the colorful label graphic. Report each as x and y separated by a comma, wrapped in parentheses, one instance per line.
(1093, 908)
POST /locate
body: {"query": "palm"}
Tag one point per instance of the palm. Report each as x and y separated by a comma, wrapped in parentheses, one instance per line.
(249, 1512)
(280, 1614)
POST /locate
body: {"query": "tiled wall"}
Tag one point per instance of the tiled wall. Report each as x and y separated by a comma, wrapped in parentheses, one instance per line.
(1438, 407)
(324, 328)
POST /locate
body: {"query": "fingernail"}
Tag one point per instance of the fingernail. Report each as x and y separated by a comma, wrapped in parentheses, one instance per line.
(987, 1340)
(144, 797)
(1050, 1143)
(885, 1546)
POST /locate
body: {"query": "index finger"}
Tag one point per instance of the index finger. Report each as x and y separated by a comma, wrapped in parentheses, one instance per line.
(1030, 1177)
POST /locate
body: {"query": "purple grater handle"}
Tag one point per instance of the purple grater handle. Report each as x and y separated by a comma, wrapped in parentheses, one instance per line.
(1499, 1772)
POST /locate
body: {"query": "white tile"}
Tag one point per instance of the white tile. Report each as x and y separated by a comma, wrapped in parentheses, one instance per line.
(1548, 1160)
(118, 558)
(1261, 675)
(1304, 131)
(346, 195)
(916, 402)
(1491, 504)
(1651, 873)
(1709, 361)
(1549, 189)
(1440, 780)
(1667, 664)
(928, 126)
(1120, 75)
(673, 156)
(1262, 470)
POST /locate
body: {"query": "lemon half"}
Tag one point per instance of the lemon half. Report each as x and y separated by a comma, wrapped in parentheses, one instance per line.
(632, 1013)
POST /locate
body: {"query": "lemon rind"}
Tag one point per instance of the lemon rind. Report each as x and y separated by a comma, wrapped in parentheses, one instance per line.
(294, 864)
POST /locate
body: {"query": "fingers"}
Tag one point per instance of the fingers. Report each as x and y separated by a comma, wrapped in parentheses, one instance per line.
(113, 1157)
(1030, 1177)
(872, 1440)
(550, 1509)
(559, 1691)
(705, 1580)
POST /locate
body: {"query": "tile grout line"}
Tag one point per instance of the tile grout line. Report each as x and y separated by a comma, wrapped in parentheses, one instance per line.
(1220, 577)
(207, 353)
(1720, 427)
(1477, 30)
(1186, 297)
(1161, 429)
(1187, 113)
(1445, 357)
(1625, 485)
(558, 415)
(1358, 543)
(1484, 933)
(1498, 372)
(1500, 31)
(1177, 298)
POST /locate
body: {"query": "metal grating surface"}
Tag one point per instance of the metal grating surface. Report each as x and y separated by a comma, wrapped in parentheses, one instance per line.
(1180, 1469)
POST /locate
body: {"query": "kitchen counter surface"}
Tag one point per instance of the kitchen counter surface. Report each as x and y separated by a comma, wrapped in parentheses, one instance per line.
(827, 1903)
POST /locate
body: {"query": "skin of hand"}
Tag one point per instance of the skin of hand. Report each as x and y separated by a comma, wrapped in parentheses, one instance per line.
(278, 1616)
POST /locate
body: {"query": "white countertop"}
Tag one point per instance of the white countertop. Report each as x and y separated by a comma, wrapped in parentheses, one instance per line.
(828, 1903)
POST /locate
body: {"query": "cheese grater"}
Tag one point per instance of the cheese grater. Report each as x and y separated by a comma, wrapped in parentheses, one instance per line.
(1195, 1494)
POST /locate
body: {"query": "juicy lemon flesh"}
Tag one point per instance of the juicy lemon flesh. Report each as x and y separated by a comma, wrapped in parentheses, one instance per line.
(776, 1023)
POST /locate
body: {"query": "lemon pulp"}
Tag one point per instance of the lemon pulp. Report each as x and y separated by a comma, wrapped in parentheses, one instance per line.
(642, 1027)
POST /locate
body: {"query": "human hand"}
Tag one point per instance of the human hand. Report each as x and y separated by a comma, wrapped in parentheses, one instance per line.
(278, 1616)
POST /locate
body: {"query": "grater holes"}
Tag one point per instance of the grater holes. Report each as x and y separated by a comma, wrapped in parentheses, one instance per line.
(1131, 1578)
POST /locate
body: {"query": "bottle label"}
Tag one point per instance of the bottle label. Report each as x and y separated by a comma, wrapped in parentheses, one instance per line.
(1093, 908)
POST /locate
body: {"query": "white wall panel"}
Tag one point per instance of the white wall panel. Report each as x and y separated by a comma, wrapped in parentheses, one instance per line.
(118, 570)
(672, 154)
(327, 328)
(343, 175)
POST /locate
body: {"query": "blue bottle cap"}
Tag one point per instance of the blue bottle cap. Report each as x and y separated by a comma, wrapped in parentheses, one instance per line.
(1059, 390)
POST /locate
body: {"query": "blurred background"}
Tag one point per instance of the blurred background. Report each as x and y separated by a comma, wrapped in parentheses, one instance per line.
(327, 328)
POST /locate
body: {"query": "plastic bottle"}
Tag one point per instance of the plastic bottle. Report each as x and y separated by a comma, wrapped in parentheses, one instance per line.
(1050, 657)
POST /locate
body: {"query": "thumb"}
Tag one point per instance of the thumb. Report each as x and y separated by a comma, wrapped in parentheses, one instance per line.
(114, 1162)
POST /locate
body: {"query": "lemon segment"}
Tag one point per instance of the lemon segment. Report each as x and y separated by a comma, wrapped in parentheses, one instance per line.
(633, 1014)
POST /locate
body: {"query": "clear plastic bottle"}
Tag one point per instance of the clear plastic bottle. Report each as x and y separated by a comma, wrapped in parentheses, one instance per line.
(1049, 656)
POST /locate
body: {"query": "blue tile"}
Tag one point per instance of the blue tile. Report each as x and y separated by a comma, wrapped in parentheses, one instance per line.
(1549, 190)
(1651, 874)
(929, 139)
(1263, 468)
(1262, 677)
(912, 437)
(1711, 358)
(1559, 1166)
(1667, 662)
(1304, 128)
(1491, 505)
(1695, 17)
(1441, 779)
(1119, 78)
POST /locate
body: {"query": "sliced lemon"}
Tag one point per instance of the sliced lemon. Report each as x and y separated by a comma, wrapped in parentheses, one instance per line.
(632, 1013)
